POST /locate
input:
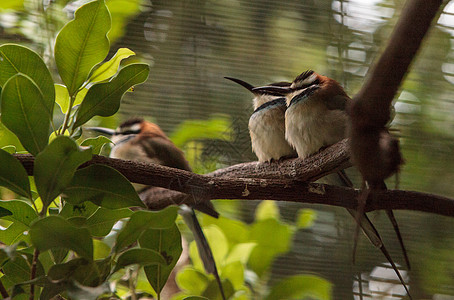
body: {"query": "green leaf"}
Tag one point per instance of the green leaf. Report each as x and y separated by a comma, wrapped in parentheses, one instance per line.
(17, 270)
(4, 212)
(140, 256)
(16, 59)
(10, 149)
(13, 175)
(20, 212)
(302, 287)
(96, 143)
(212, 291)
(192, 280)
(25, 112)
(62, 97)
(141, 221)
(54, 231)
(234, 272)
(272, 238)
(103, 99)
(122, 11)
(12, 4)
(218, 127)
(234, 230)
(110, 68)
(102, 221)
(86, 209)
(82, 43)
(100, 249)
(306, 218)
(240, 252)
(55, 166)
(267, 209)
(167, 242)
(13, 233)
(196, 298)
(103, 186)
(86, 272)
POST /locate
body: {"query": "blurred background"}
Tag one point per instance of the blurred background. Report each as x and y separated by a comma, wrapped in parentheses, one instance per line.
(192, 44)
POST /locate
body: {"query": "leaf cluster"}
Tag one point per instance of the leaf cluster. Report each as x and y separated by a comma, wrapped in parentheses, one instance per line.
(70, 230)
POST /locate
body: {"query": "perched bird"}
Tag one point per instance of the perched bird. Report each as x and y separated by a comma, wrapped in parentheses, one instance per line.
(315, 118)
(139, 140)
(267, 124)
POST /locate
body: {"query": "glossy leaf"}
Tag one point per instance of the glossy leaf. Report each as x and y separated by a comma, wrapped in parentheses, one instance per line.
(20, 212)
(103, 99)
(272, 238)
(103, 186)
(82, 43)
(96, 143)
(102, 221)
(13, 175)
(110, 68)
(13, 233)
(55, 166)
(141, 221)
(54, 231)
(25, 112)
(86, 210)
(16, 59)
(140, 256)
(168, 243)
(302, 287)
(192, 280)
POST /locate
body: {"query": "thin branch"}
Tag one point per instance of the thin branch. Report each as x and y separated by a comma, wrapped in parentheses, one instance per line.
(284, 188)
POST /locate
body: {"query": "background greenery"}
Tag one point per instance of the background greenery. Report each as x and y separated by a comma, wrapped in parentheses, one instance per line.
(191, 45)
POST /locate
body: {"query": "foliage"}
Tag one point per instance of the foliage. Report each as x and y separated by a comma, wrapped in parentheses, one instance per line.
(71, 231)
(57, 230)
(245, 255)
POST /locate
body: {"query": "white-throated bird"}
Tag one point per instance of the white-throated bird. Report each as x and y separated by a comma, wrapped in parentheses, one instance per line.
(140, 140)
(267, 123)
(316, 117)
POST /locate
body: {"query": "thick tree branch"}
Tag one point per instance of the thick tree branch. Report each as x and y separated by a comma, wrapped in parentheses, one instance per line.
(373, 150)
(286, 186)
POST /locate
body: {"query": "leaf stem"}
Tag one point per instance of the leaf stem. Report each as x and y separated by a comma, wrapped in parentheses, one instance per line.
(33, 273)
(67, 115)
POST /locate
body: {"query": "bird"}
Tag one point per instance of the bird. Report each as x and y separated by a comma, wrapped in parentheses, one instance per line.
(316, 117)
(140, 140)
(267, 124)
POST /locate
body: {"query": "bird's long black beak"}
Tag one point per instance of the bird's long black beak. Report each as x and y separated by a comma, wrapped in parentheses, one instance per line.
(104, 130)
(271, 89)
(244, 84)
